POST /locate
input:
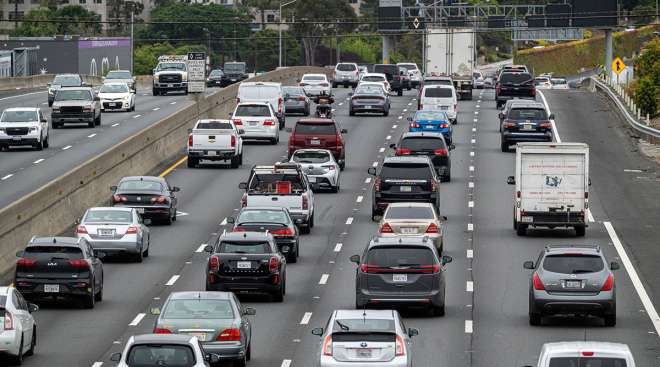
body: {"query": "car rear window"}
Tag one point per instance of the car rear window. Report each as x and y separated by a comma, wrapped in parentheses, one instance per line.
(311, 157)
(558, 81)
(118, 75)
(573, 263)
(515, 78)
(198, 309)
(370, 90)
(431, 115)
(48, 252)
(108, 216)
(422, 143)
(386, 69)
(262, 216)
(528, 114)
(414, 171)
(258, 92)
(315, 129)
(438, 82)
(140, 185)
(415, 212)
(215, 125)
(228, 247)
(587, 362)
(346, 67)
(397, 256)
(157, 355)
(438, 92)
(313, 77)
(252, 111)
(409, 66)
(271, 183)
(293, 91)
(364, 325)
(373, 78)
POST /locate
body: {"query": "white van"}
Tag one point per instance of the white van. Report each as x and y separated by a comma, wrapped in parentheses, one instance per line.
(585, 354)
(267, 92)
(442, 98)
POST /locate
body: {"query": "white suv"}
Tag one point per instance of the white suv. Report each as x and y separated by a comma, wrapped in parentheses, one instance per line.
(24, 126)
(584, 353)
(346, 73)
(258, 121)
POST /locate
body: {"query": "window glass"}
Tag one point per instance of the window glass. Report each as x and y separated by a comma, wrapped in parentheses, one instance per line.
(391, 256)
(140, 185)
(118, 75)
(311, 157)
(422, 143)
(171, 66)
(198, 309)
(528, 114)
(67, 80)
(114, 88)
(158, 355)
(73, 95)
(262, 216)
(363, 325)
(438, 92)
(415, 212)
(268, 182)
(108, 216)
(346, 67)
(515, 78)
(586, 362)
(48, 252)
(315, 129)
(406, 171)
(573, 264)
(252, 111)
(228, 247)
(215, 125)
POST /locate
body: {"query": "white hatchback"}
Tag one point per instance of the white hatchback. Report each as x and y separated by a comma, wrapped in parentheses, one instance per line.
(18, 330)
(258, 120)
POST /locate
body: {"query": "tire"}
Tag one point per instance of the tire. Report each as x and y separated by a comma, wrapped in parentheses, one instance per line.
(386, 113)
(504, 146)
(92, 123)
(351, 113)
(50, 104)
(97, 121)
(515, 224)
(192, 162)
(88, 301)
(240, 362)
(18, 359)
(241, 160)
(610, 320)
(580, 231)
(447, 177)
(521, 230)
(155, 92)
(168, 220)
(33, 344)
(342, 164)
(374, 214)
(235, 161)
(306, 113)
(278, 296)
(248, 352)
(305, 230)
(39, 146)
(438, 310)
(138, 257)
(146, 252)
(46, 142)
(335, 189)
(535, 319)
(399, 92)
(291, 257)
(334, 85)
(185, 92)
(455, 121)
(99, 296)
(55, 125)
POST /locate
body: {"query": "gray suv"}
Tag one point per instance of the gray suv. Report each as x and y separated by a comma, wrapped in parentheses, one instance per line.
(397, 271)
(76, 105)
(572, 280)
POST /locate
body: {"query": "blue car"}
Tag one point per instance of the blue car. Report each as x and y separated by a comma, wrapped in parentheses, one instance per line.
(431, 121)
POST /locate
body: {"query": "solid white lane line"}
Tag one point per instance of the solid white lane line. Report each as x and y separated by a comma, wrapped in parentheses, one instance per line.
(470, 204)
(468, 326)
(341, 103)
(115, 124)
(6, 177)
(173, 279)
(286, 363)
(381, 150)
(201, 247)
(471, 185)
(137, 319)
(224, 222)
(400, 117)
(136, 116)
(552, 122)
(338, 247)
(22, 95)
(470, 227)
(324, 279)
(634, 278)
(156, 108)
(469, 286)
(359, 199)
(67, 147)
(349, 220)
(97, 364)
(173, 102)
(39, 161)
(590, 217)
(388, 137)
(91, 135)
(405, 110)
(375, 164)
(305, 319)
(470, 253)
(633, 170)
(367, 180)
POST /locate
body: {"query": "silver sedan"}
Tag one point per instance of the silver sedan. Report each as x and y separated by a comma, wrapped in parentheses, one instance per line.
(116, 230)
(320, 167)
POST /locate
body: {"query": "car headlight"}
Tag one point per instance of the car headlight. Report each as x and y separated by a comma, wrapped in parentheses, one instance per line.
(156, 77)
(56, 109)
(87, 109)
(33, 130)
(184, 77)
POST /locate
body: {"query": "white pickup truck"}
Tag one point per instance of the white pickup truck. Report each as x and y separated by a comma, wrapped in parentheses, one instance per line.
(282, 185)
(552, 186)
(215, 140)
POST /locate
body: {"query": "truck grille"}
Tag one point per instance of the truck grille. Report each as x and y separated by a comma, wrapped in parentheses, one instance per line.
(169, 78)
(16, 130)
(71, 109)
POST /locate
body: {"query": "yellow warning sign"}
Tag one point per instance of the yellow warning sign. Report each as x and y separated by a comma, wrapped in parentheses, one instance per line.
(618, 65)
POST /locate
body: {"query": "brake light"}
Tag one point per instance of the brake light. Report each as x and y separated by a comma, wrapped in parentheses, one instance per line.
(229, 335)
(214, 264)
(305, 202)
(301, 98)
(81, 229)
(609, 283)
(119, 198)
(587, 354)
(302, 84)
(162, 331)
(190, 140)
(441, 152)
(538, 284)
(386, 228)
(400, 346)
(273, 264)
(433, 228)
(546, 125)
(434, 185)
(338, 141)
(498, 88)
(26, 263)
(444, 126)
(233, 141)
(9, 321)
(455, 107)
(518, 194)
(286, 232)
(509, 125)
(132, 230)
(79, 264)
(414, 125)
(238, 122)
(534, 91)
(377, 184)
(403, 151)
(238, 100)
(238, 229)
(159, 200)
(269, 123)
(327, 346)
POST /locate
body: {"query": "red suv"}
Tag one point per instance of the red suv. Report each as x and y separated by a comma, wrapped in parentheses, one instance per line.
(319, 134)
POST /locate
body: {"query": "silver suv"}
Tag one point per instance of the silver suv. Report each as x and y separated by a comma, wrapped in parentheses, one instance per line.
(23, 126)
(401, 272)
(346, 73)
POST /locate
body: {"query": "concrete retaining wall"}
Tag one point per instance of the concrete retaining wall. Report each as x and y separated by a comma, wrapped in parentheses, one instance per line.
(53, 208)
(39, 81)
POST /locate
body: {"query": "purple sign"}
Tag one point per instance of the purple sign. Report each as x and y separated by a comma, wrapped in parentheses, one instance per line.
(102, 43)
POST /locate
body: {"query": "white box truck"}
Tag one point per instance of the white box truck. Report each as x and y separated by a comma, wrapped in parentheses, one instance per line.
(451, 52)
(552, 186)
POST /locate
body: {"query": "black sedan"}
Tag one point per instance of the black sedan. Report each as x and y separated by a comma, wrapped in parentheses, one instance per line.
(246, 262)
(215, 78)
(276, 221)
(152, 196)
(369, 98)
(296, 101)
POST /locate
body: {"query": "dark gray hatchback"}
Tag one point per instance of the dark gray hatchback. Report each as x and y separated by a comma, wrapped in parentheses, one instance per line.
(401, 272)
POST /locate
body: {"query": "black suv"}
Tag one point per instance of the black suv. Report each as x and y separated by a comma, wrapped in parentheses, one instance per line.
(393, 74)
(404, 179)
(431, 145)
(59, 267)
(526, 122)
(234, 72)
(514, 84)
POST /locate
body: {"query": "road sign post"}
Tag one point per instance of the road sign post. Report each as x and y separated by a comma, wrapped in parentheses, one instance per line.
(196, 72)
(618, 65)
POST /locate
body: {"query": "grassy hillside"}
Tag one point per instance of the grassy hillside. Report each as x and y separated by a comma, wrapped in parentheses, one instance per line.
(568, 58)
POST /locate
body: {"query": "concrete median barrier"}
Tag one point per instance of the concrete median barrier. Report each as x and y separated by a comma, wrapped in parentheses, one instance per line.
(39, 81)
(54, 207)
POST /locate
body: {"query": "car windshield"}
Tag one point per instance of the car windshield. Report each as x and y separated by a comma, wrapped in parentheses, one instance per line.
(114, 88)
(573, 263)
(118, 75)
(422, 143)
(438, 82)
(371, 90)
(413, 171)
(431, 115)
(198, 308)
(414, 212)
(67, 80)
(587, 362)
(315, 129)
(528, 114)
(108, 216)
(539, 81)
(3, 302)
(293, 91)
(216, 72)
(311, 157)
(364, 325)
(48, 252)
(140, 185)
(438, 92)
(410, 67)
(313, 78)
(515, 78)
(346, 67)
(73, 95)
(171, 66)
(276, 183)
(558, 81)
(399, 256)
(373, 78)
(262, 216)
(252, 111)
(19, 116)
(160, 355)
(215, 125)
(234, 68)
(228, 247)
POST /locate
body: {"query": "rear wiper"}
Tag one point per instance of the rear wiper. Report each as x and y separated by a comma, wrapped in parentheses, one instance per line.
(580, 271)
(342, 326)
(239, 252)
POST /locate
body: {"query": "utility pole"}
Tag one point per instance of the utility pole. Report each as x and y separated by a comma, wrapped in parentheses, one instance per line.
(608, 51)
(132, 44)
(279, 27)
(235, 44)
(337, 41)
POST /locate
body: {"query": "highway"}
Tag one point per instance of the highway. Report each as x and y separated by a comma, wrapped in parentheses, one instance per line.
(486, 324)
(23, 169)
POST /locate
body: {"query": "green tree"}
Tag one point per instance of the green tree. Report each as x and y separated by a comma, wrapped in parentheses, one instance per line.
(29, 28)
(120, 10)
(77, 20)
(368, 49)
(648, 63)
(264, 50)
(145, 57)
(646, 96)
(262, 6)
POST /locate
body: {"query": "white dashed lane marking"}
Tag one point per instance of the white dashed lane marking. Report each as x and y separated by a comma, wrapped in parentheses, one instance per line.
(388, 137)
(468, 326)
(224, 222)
(156, 108)
(115, 124)
(359, 199)
(469, 286)
(91, 135)
(136, 116)
(6, 177)
(349, 220)
(324, 279)
(173, 279)
(286, 363)
(338, 247)
(67, 147)
(137, 319)
(201, 247)
(381, 150)
(470, 253)
(375, 164)
(470, 204)
(305, 319)
(470, 227)
(97, 364)
(39, 161)
(471, 185)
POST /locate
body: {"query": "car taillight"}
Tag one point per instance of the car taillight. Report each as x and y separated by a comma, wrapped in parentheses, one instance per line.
(81, 229)
(132, 230)
(244, 201)
(498, 88)
(159, 200)
(400, 349)
(233, 141)
(444, 126)
(324, 84)
(238, 122)
(426, 269)
(301, 98)
(214, 264)
(229, 335)
(273, 264)
(538, 284)
(414, 125)
(327, 346)
(377, 184)
(119, 198)
(330, 167)
(433, 228)
(510, 125)
(302, 84)
(238, 100)
(9, 321)
(286, 232)
(545, 125)
(190, 140)
(533, 91)
(587, 354)
(162, 331)
(403, 151)
(305, 202)
(386, 228)
(455, 107)
(269, 123)
(434, 185)
(78, 264)
(238, 229)
(338, 141)
(26, 263)
(441, 152)
(609, 283)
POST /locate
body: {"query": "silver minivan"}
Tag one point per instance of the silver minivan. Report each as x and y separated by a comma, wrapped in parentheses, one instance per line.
(346, 74)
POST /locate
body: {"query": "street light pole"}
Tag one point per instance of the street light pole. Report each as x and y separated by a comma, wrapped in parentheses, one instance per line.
(279, 26)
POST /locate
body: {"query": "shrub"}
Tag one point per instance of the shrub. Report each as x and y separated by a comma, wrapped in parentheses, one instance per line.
(646, 96)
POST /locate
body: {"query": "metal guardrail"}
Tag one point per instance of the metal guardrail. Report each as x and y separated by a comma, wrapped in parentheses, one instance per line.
(632, 121)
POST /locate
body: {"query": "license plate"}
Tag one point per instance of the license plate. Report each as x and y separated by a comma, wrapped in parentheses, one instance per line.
(528, 127)
(140, 210)
(52, 288)
(408, 230)
(368, 107)
(364, 353)
(170, 85)
(200, 336)
(315, 142)
(212, 153)
(244, 265)
(526, 219)
(233, 80)
(254, 123)
(106, 232)
(112, 104)
(398, 278)
(16, 138)
(311, 179)
(429, 127)
(444, 108)
(573, 284)
(405, 188)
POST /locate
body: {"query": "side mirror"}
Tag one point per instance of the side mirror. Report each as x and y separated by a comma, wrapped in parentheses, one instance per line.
(212, 358)
(176, 189)
(511, 180)
(231, 220)
(552, 116)
(392, 146)
(249, 311)
(412, 332)
(208, 248)
(447, 259)
(241, 131)
(372, 171)
(355, 259)
(452, 147)
(242, 185)
(32, 307)
(113, 188)
(444, 217)
(44, 120)
(589, 181)
(614, 265)
(501, 115)
(230, 114)
(100, 254)
(299, 221)
(288, 129)
(147, 221)
(528, 265)
(317, 331)
(409, 118)
(77, 221)
(19, 253)
(344, 131)
(154, 311)
(190, 131)
(115, 357)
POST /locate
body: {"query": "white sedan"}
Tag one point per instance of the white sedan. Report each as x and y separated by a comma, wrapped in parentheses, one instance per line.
(116, 97)
(315, 84)
(18, 325)
(377, 78)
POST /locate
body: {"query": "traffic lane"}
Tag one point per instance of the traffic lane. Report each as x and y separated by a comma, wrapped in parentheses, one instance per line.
(75, 144)
(502, 332)
(23, 98)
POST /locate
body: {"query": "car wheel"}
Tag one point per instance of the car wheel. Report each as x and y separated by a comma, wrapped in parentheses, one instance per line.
(88, 301)
(54, 125)
(447, 177)
(168, 220)
(92, 123)
(455, 121)
(580, 231)
(39, 145)
(146, 252)
(278, 296)
(310, 224)
(535, 319)
(610, 320)
(342, 164)
(305, 230)
(515, 223)
(351, 112)
(97, 121)
(374, 214)
(399, 92)
(33, 344)
(291, 257)
(138, 257)
(334, 85)
(235, 161)
(306, 113)
(386, 112)
(18, 359)
(192, 162)
(439, 310)
(504, 146)
(50, 104)
(99, 296)
(521, 230)
(240, 362)
(248, 353)
(154, 92)
(46, 142)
